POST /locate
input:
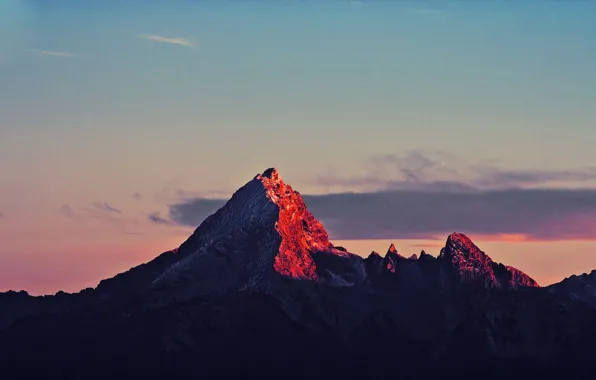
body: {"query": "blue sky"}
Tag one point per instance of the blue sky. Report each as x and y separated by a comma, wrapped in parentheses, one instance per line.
(103, 99)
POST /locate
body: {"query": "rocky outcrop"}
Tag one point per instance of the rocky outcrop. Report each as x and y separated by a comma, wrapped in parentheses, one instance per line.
(473, 266)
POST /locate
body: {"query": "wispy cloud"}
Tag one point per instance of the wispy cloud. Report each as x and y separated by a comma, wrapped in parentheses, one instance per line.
(358, 3)
(158, 219)
(102, 212)
(174, 194)
(494, 177)
(430, 13)
(61, 54)
(106, 207)
(67, 211)
(168, 40)
(440, 171)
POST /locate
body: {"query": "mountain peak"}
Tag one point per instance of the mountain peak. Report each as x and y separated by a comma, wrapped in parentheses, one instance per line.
(459, 246)
(271, 173)
(392, 249)
(458, 238)
(473, 265)
(267, 227)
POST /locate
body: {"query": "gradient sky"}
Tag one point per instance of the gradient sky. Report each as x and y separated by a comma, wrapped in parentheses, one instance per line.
(114, 118)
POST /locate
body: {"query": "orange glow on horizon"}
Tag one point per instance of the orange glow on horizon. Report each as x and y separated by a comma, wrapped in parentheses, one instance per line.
(514, 238)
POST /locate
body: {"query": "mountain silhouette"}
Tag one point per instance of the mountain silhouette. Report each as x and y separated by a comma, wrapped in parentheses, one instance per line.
(259, 290)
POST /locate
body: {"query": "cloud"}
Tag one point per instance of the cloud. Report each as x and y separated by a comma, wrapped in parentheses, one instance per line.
(106, 213)
(440, 171)
(106, 207)
(100, 211)
(424, 195)
(102, 215)
(168, 40)
(543, 214)
(174, 194)
(51, 53)
(66, 210)
(492, 177)
(429, 13)
(156, 218)
(137, 196)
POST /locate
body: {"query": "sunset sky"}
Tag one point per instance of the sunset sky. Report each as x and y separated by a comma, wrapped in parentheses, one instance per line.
(121, 123)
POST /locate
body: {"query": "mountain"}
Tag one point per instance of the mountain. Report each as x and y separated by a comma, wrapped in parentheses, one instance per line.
(474, 266)
(259, 290)
(581, 288)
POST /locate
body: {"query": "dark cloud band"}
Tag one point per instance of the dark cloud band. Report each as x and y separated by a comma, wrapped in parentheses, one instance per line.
(546, 214)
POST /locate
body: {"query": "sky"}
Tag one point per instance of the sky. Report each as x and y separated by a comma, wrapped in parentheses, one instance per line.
(124, 124)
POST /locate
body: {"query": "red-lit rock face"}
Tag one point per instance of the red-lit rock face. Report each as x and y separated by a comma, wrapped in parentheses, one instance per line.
(468, 260)
(392, 258)
(390, 263)
(520, 279)
(301, 234)
(392, 249)
(473, 265)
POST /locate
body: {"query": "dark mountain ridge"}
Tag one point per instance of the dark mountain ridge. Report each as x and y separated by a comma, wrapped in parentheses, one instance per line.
(258, 289)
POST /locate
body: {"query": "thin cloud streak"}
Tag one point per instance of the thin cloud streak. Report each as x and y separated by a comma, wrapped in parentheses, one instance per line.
(158, 219)
(51, 53)
(106, 207)
(435, 14)
(168, 40)
(434, 171)
(67, 211)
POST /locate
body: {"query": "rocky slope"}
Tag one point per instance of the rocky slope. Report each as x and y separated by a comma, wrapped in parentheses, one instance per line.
(258, 289)
(581, 288)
